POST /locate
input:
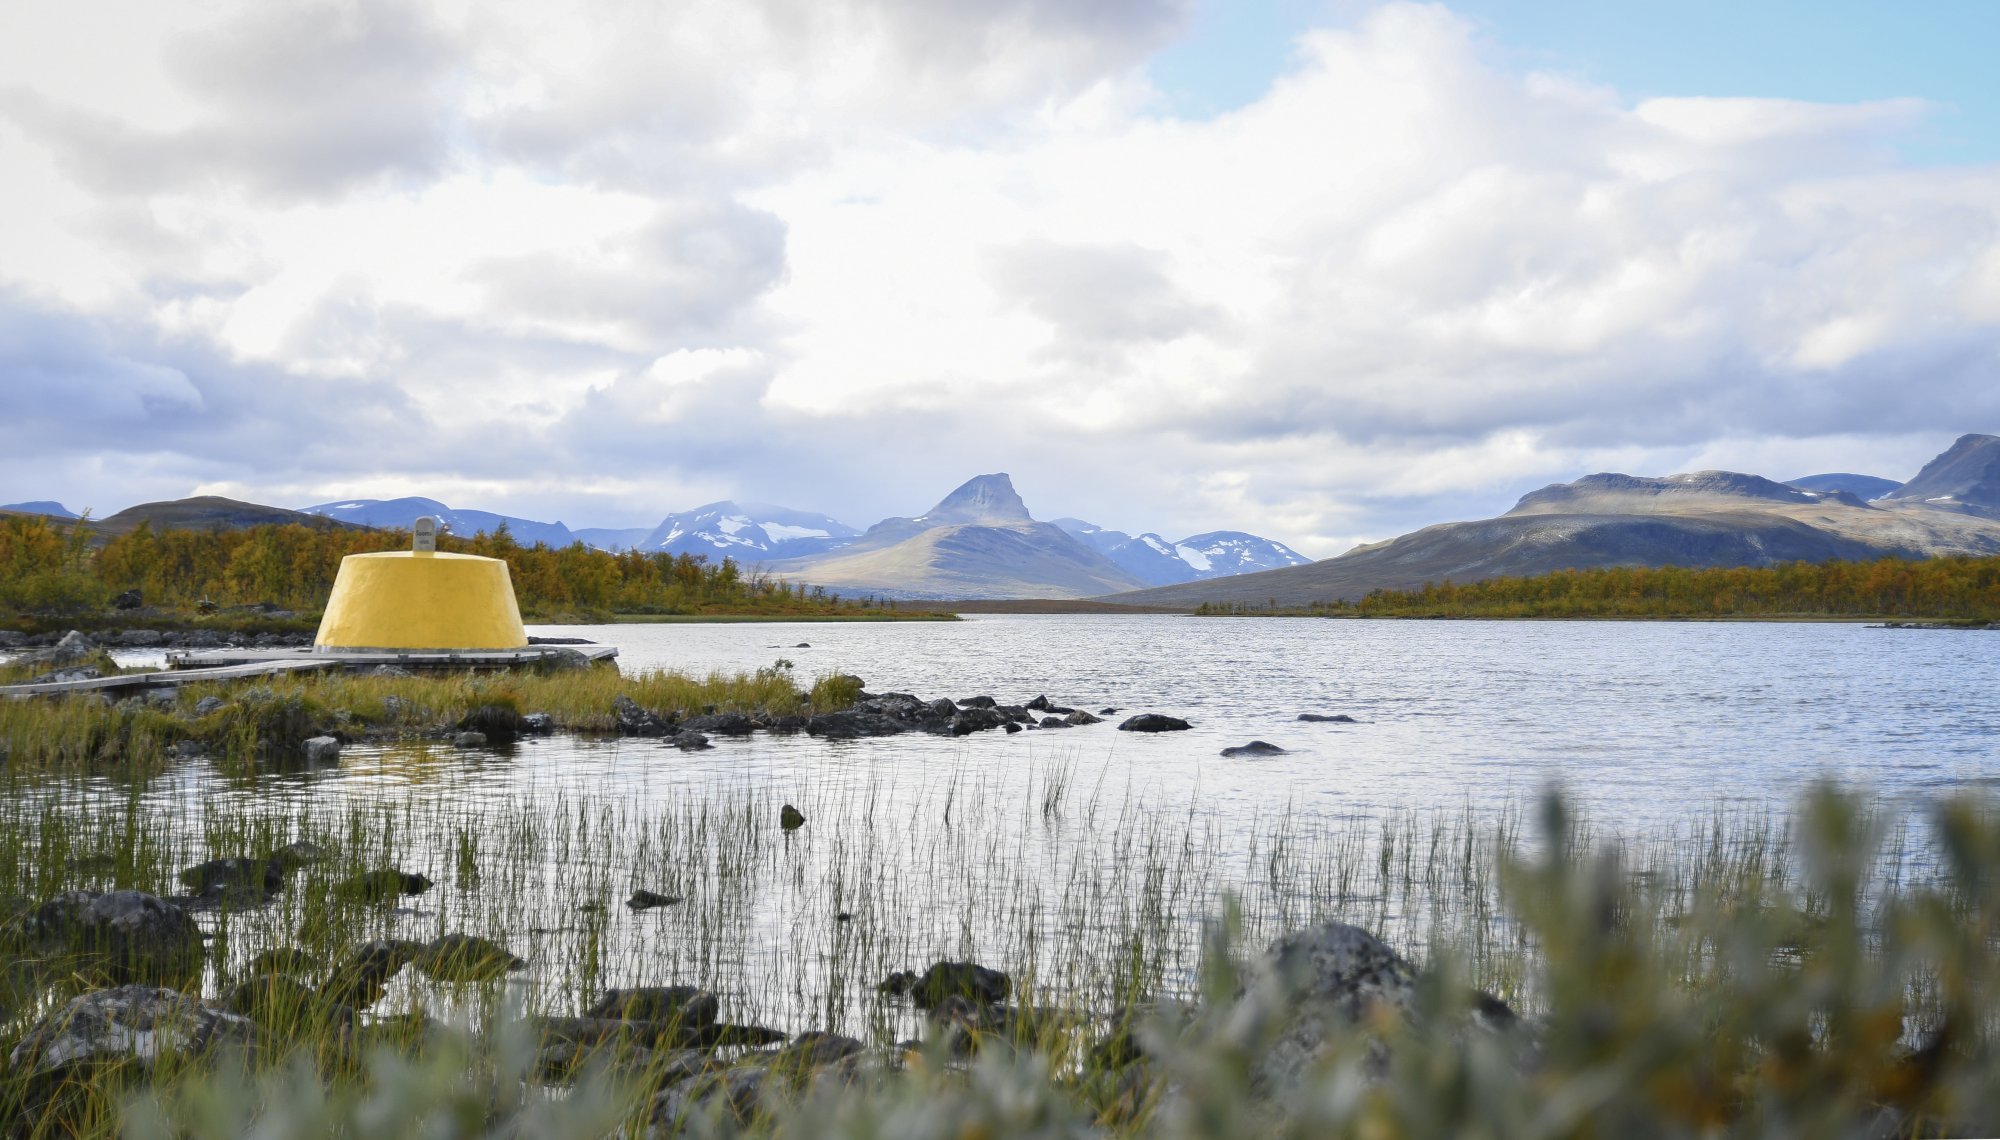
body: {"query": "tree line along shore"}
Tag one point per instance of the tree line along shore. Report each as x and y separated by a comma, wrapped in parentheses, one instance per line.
(1954, 590)
(55, 571)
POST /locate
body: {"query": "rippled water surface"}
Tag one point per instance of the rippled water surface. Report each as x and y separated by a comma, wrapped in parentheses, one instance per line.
(954, 846)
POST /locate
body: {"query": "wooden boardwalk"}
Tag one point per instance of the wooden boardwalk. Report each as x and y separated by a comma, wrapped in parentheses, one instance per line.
(185, 666)
(405, 658)
(127, 683)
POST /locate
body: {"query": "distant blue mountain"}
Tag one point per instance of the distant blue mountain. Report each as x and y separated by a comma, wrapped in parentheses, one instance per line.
(1863, 487)
(400, 513)
(1157, 562)
(41, 507)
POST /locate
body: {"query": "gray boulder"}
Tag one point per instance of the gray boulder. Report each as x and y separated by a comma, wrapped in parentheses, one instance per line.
(688, 740)
(688, 1006)
(466, 958)
(321, 750)
(963, 979)
(1313, 986)
(721, 724)
(1079, 717)
(468, 740)
(207, 705)
(133, 1023)
(133, 936)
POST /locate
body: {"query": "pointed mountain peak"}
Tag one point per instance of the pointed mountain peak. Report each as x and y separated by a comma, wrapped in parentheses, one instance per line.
(986, 499)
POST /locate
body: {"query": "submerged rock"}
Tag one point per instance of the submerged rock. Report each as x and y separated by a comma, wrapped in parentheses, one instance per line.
(468, 740)
(1079, 717)
(322, 750)
(1054, 722)
(643, 899)
(465, 958)
(688, 740)
(1152, 722)
(362, 977)
(380, 885)
(1255, 748)
(689, 1006)
(1324, 718)
(791, 818)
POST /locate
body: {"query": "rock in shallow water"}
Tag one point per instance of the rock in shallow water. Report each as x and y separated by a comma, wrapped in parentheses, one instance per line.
(643, 899)
(1152, 722)
(1255, 748)
(1324, 718)
(322, 750)
(133, 936)
(791, 818)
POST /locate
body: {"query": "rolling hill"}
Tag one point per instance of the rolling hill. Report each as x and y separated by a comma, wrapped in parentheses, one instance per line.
(1706, 518)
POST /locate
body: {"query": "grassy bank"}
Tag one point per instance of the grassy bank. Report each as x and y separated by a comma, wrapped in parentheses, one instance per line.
(1945, 590)
(1736, 976)
(250, 728)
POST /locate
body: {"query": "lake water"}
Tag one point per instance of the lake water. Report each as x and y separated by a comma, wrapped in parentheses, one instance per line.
(1650, 726)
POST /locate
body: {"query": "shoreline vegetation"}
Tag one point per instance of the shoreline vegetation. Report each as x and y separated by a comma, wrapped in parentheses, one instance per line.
(1822, 974)
(276, 579)
(1933, 591)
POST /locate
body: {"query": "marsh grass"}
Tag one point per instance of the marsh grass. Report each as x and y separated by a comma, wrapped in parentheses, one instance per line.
(261, 726)
(1097, 899)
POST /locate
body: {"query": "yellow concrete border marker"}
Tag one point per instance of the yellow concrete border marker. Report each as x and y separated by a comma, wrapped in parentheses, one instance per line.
(418, 599)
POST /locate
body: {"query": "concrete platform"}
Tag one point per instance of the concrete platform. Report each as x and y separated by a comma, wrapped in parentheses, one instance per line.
(412, 659)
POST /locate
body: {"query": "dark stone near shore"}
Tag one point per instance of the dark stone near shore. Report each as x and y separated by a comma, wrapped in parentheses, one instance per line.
(1012, 727)
(964, 979)
(299, 853)
(981, 702)
(851, 725)
(976, 719)
(1255, 748)
(1055, 722)
(815, 1050)
(468, 740)
(1107, 712)
(635, 721)
(1153, 722)
(381, 885)
(791, 818)
(239, 871)
(721, 724)
(131, 935)
(362, 977)
(897, 984)
(1323, 718)
(1039, 704)
(537, 724)
(128, 600)
(1079, 717)
(643, 899)
(689, 1007)
(495, 722)
(688, 740)
(465, 958)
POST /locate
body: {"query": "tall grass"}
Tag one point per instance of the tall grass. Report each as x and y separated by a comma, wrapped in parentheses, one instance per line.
(1666, 968)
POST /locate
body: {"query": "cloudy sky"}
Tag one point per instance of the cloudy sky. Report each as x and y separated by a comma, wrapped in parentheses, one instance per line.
(1323, 270)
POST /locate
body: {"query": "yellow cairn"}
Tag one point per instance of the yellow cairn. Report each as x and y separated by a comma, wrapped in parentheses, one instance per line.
(421, 599)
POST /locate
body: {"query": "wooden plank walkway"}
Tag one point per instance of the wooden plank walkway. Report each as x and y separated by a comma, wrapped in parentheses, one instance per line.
(185, 666)
(406, 658)
(166, 679)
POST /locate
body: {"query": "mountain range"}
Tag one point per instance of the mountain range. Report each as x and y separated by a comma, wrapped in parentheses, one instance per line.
(1707, 518)
(981, 542)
